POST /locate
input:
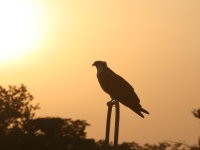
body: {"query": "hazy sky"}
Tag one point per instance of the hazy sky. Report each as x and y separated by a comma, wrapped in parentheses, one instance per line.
(155, 45)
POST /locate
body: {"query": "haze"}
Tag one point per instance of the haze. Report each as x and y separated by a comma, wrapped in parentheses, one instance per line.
(154, 45)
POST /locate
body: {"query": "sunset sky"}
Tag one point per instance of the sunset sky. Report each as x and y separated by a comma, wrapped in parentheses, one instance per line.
(50, 45)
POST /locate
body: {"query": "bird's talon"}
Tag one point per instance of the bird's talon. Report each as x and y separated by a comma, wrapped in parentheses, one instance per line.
(111, 103)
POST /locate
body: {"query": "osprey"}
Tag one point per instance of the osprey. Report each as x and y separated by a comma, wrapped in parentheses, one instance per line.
(118, 88)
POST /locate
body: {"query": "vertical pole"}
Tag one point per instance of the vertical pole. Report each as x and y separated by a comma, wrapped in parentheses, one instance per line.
(117, 116)
(110, 104)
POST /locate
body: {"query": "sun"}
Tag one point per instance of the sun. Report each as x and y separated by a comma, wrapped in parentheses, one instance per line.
(20, 28)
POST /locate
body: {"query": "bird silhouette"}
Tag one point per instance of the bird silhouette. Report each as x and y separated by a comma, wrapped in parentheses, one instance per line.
(118, 88)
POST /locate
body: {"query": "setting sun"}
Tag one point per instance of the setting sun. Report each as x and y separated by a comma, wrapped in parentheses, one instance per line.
(20, 28)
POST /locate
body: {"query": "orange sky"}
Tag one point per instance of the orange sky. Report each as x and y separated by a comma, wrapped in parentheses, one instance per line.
(153, 44)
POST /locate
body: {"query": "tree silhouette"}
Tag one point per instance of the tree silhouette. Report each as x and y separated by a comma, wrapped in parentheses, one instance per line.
(159, 146)
(15, 108)
(129, 146)
(57, 133)
(56, 127)
(16, 111)
(136, 146)
(196, 113)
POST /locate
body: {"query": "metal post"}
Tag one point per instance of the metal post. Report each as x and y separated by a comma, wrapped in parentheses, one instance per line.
(117, 116)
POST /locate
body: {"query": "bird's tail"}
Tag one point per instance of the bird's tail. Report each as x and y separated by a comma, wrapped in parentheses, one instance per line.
(143, 110)
(139, 111)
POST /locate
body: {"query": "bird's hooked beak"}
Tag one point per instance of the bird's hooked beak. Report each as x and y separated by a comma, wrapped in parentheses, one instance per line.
(93, 64)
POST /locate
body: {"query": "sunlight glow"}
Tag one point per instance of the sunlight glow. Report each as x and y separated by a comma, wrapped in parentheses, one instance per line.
(20, 28)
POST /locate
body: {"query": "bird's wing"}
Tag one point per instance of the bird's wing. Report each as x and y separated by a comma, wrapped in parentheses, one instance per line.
(116, 86)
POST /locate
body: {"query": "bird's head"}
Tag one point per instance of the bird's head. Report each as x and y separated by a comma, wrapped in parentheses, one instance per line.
(100, 65)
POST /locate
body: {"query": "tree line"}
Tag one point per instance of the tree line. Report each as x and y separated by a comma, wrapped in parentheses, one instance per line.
(20, 129)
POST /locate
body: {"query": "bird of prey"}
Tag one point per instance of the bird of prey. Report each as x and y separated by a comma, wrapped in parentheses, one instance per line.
(118, 88)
